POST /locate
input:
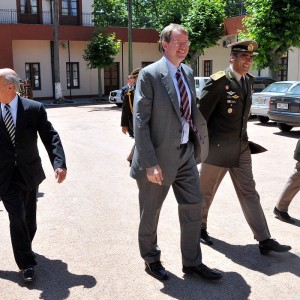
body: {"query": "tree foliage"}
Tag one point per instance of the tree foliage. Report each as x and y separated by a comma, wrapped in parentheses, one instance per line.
(100, 53)
(274, 24)
(202, 18)
(101, 50)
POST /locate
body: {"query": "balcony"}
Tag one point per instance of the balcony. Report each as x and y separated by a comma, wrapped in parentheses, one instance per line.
(13, 16)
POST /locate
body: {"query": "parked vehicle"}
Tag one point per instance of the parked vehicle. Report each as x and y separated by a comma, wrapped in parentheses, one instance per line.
(200, 83)
(116, 97)
(261, 82)
(260, 101)
(285, 110)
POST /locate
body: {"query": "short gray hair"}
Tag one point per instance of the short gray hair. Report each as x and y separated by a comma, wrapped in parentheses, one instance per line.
(14, 79)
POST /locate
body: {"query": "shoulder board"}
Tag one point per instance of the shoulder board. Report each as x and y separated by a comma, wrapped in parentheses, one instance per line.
(250, 75)
(218, 75)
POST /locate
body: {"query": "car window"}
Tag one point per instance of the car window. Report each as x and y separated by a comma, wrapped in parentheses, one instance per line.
(278, 87)
(295, 90)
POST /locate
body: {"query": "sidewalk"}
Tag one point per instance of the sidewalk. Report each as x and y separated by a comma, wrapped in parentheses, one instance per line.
(74, 102)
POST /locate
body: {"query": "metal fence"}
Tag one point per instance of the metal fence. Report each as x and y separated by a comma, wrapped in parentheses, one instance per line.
(13, 16)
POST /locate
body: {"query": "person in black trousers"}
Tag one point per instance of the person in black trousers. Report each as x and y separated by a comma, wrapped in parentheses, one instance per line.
(21, 121)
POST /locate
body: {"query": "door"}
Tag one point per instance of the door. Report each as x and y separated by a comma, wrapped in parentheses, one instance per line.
(28, 11)
(111, 78)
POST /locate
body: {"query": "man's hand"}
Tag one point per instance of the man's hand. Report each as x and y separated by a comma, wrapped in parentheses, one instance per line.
(154, 174)
(124, 129)
(60, 175)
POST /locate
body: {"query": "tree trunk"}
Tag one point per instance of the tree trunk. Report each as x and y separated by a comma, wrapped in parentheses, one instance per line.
(99, 85)
(57, 85)
(193, 61)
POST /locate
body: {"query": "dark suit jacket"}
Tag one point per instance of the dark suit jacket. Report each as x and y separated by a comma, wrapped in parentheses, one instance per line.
(31, 121)
(157, 122)
(226, 112)
(126, 116)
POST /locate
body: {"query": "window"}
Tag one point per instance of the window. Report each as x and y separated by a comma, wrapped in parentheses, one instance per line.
(207, 66)
(33, 74)
(29, 7)
(282, 73)
(69, 7)
(73, 75)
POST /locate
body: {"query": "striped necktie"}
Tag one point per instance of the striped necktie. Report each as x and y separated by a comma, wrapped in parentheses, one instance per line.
(9, 124)
(184, 103)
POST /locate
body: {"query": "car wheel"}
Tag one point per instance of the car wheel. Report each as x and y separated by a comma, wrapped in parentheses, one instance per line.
(284, 127)
(119, 104)
(263, 119)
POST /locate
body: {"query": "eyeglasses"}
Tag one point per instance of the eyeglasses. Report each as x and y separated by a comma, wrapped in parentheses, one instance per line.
(185, 44)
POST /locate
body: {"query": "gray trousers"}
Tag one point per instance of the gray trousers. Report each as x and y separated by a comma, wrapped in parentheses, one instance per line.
(244, 184)
(290, 190)
(189, 198)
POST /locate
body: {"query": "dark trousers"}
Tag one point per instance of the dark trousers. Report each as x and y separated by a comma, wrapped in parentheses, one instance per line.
(20, 203)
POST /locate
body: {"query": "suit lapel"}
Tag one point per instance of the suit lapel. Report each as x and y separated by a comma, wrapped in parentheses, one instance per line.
(169, 85)
(21, 118)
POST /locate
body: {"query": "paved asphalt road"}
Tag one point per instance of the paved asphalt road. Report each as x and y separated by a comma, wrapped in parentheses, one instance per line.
(86, 242)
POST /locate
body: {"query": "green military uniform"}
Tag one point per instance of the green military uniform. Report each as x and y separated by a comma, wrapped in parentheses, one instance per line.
(126, 117)
(292, 186)
(226, 108)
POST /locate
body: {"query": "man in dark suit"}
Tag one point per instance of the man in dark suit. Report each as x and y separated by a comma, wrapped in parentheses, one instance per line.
(169, 144)
(21, 173)
(225, 103)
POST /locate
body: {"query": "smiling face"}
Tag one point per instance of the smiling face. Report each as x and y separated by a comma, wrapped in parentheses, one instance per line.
(177, 48)
(241, 61)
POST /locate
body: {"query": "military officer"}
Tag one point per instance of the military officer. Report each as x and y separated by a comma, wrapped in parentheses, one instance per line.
(225, 104)
(126, 117)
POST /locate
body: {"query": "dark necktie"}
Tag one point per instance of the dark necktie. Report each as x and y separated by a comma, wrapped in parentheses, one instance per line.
(184, 103)
(244, 88)
(9, 124)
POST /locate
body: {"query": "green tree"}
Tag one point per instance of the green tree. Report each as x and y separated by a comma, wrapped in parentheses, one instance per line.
(274, 24)
(100, 53)
(202, 18)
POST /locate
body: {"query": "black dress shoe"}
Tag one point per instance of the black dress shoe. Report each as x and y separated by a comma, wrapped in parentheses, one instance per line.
(28, 274)
(283, 216)
(202, 271)
(156, 270)
(271, 245)
(205, 238)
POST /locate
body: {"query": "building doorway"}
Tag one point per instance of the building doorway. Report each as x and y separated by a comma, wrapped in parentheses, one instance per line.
(111, 78)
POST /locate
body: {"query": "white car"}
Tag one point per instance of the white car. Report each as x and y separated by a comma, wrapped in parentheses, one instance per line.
(200, 83)
(116, 97)
(260, 101)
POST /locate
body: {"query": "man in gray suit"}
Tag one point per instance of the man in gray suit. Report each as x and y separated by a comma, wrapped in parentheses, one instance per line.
(171, 138)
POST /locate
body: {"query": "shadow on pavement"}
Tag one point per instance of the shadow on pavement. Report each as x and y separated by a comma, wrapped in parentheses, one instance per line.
(249, 257)
(52, 278)
(190, 287)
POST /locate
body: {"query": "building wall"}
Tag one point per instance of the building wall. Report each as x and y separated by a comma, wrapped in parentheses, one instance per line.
(8, 4)
(294, 64)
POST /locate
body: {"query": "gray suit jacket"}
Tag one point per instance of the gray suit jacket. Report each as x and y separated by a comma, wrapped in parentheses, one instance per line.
(157, 122)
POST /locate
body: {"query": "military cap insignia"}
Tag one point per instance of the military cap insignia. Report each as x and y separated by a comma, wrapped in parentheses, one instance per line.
(250, 47)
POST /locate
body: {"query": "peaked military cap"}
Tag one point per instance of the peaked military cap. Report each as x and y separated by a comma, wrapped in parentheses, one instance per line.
(244, 46)
(135, 72)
